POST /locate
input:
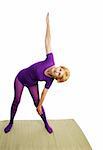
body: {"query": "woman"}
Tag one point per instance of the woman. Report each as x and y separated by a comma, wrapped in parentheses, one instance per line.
(29, 77)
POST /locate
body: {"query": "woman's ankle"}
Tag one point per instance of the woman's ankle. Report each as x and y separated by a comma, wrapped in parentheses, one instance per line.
(11, 122)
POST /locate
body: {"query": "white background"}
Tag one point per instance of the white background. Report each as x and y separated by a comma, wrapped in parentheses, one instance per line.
(77, 43)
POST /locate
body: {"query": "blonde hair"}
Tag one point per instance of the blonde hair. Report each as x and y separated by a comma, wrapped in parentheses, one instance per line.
(65, 76)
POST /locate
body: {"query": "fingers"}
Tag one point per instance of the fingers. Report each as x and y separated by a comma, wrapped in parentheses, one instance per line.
(39, 110)
(48, 14)
(47, 17)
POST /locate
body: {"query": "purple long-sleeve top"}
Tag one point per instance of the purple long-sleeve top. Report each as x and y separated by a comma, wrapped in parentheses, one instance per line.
(31, 75)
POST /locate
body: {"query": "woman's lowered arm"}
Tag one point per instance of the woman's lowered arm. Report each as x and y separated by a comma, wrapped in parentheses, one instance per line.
(44, 92)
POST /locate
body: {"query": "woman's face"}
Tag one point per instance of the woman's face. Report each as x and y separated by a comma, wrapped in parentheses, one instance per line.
(57, 72)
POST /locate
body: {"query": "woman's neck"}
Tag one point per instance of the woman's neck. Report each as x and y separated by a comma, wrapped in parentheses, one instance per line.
(49, 72)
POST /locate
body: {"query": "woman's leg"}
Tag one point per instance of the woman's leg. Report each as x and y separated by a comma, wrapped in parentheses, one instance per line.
(18, 88)
(34, 91)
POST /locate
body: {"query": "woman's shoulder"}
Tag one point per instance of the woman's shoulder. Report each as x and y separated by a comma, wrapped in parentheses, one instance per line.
(49, 53)
(50, 58)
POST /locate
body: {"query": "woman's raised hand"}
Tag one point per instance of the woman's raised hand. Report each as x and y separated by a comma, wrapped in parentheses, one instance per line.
(47, 18)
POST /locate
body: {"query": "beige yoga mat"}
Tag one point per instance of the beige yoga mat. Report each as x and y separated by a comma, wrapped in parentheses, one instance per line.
(32, 135)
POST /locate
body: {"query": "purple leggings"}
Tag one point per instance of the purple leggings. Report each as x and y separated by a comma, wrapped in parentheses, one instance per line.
(34, 91)
(18, 89)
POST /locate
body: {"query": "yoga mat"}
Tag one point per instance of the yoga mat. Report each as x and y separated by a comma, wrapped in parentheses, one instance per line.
(32, 135)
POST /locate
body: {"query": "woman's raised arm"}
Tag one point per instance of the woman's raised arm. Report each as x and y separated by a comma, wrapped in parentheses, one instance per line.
(47, 36)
